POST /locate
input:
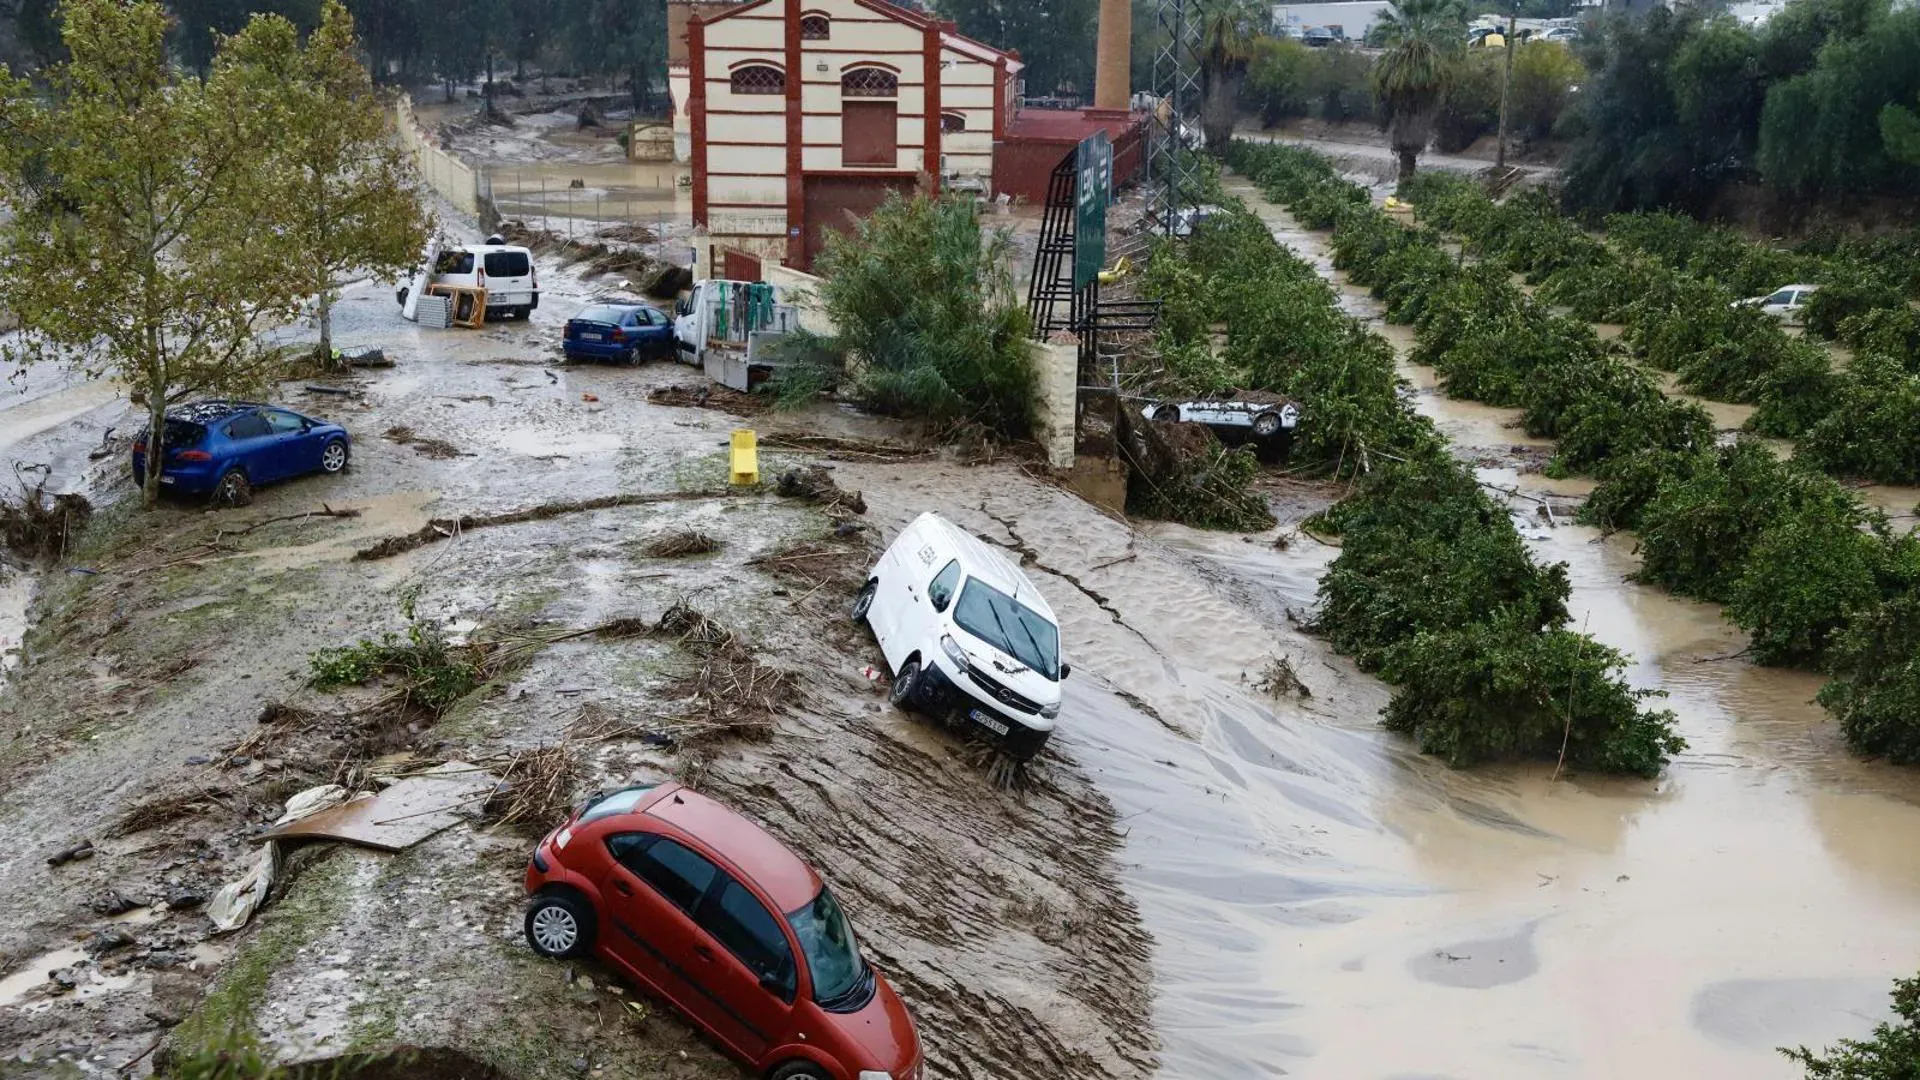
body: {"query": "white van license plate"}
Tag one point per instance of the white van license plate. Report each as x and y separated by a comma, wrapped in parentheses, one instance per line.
(990, 722)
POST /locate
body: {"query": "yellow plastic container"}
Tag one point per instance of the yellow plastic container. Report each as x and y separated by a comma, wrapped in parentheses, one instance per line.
(745, 458)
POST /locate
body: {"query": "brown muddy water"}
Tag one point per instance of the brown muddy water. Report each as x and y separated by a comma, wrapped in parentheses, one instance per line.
(1326, 903)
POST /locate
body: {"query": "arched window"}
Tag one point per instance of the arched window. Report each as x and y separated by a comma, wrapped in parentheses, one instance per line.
(870, 82)
(953, 121)
(759, 79)
(815, 28)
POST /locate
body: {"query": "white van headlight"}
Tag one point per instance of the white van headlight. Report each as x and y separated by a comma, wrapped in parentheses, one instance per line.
(954, 652)
(1051, 711)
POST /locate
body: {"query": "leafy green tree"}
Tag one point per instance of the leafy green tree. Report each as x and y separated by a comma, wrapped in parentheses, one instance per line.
(1424, 46)
(135, 249)
(1545, 75)
(200, 24)
(1893, 1053)
(1055, 39)
(1277, 78)
(1472, 105)
(921, 294)
(350, 199)
(1821, 135)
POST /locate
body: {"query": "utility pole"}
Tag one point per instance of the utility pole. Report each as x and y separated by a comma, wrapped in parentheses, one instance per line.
(1506, 89)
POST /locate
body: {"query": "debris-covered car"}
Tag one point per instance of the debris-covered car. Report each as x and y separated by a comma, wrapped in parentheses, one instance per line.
(1266, 420)
(967, 637)
(227, 448)
(705, 909)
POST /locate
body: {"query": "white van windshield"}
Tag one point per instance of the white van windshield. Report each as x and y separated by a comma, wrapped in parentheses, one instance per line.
(1010, 626)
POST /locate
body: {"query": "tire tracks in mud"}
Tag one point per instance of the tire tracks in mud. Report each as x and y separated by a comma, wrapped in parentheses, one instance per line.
(1000, 918)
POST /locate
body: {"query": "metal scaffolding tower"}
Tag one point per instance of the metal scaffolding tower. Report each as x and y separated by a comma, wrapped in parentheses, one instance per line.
(1176, 90)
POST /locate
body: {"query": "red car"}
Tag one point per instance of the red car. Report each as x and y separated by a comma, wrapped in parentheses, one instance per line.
(687, 898)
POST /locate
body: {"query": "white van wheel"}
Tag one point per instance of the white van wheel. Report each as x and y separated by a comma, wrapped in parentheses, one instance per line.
(905, 682)
(864, 602)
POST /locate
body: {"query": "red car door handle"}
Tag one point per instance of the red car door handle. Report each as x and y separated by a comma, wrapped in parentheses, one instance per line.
(625, 889)
(703, 952)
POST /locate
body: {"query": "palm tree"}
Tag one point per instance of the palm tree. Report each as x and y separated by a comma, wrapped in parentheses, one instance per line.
(1227, 29)
(1424, 41)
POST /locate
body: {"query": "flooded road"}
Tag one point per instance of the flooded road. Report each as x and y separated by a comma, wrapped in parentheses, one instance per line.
(1327, 903)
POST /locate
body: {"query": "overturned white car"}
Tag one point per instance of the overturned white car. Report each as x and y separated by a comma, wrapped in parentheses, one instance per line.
(1264, 419)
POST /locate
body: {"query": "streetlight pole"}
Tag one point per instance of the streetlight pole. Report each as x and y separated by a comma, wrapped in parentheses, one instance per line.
(1506, 90)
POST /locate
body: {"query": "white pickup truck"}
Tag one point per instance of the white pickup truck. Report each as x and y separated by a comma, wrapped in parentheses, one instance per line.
(723, 326)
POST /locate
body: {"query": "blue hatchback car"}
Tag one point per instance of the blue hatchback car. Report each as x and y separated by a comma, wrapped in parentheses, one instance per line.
(225, 449)
(614, 331)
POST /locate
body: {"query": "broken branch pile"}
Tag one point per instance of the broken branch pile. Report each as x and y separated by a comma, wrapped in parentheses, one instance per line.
(679, 543)
(731, 693)
(722, 398)
(38, 525)
(813, 483)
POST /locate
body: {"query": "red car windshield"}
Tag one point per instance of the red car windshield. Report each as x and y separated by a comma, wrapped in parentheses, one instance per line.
(840, 976)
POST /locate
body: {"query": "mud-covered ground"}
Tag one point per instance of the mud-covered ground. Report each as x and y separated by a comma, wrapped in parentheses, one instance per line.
(1000, 916)
(1213, 873)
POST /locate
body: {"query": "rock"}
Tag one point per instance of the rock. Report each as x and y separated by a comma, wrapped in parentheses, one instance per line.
(239, 761)
(64, 978)
(111, 902)
(581, 1065)
(183, 898)
(199, 759)
(73, 853)
(175, 995)
(107, 941)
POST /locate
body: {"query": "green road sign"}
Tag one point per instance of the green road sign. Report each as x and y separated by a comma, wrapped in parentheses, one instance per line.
(1092, 192)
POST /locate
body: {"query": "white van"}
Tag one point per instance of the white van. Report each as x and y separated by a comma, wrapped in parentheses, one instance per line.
(504, 270)
(967, 636)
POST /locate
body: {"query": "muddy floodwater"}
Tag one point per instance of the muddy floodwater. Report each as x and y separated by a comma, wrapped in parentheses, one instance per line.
(1327, 903)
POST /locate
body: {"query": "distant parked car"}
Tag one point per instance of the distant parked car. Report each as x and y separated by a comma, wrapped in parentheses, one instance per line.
(1565, 35)
(700, 906)
(618, 331)
(225, 449)
(1318, 37)
(1265, 420)
(1786, 303)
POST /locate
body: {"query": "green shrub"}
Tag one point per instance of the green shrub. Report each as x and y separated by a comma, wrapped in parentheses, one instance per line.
(1499, 690)
(1735, 363)
(1875, 691)
(1628, 482)
(1798, 393)
(1891, 332)
(921, 293)
(1872, 430)
(1423, 548)
(432, 673)
(1808, 575)
(1472, 104)
(1837, 301)
(1545, 77)
(1698, 532)
(1893, 1053)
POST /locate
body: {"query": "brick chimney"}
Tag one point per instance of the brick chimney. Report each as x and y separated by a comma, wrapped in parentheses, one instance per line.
(1113, 70)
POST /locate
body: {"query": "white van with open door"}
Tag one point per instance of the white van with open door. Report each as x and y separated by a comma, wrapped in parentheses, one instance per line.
(966, 635)
(504, 270)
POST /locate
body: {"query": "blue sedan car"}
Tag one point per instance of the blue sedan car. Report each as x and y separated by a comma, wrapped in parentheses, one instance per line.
(225, 449)
(614, 331)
